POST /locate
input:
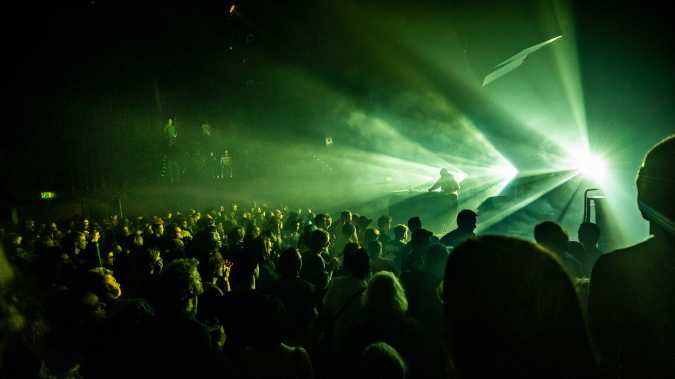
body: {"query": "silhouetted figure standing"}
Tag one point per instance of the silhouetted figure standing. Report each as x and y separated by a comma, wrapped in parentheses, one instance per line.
(589, 234)
(632, 297)
(466, 224)
(551, 236)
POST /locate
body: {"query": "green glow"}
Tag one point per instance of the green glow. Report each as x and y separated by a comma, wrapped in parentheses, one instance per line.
(47, 195)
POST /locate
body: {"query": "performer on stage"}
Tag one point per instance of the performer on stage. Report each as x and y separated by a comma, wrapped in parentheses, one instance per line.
(446, 183)
(170, 130)
(224, 165)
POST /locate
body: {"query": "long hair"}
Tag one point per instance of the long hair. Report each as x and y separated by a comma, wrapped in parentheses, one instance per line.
(385, 295)
(511, 309)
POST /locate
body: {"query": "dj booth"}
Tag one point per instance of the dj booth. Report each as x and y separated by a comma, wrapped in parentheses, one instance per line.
(436, 210)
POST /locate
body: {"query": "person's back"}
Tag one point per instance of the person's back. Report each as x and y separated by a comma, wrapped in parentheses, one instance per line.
(512, 311)
(589, 234)
(266, 356)
(551, 236)
(177, 344)
(632, 297)
(384, 318)
(380, 360)
(314, 268)
(466, 224)
(299, 297)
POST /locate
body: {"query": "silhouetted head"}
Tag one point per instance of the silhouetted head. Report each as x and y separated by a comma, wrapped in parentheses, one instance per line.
(552, 236)
(290, 263)
(588, 234)
(380, 360)
(215, 266)
(244, 273)
(466, 220)
(511, 310)
(236, 236)
(101, 282)
(348, 231)
(319, 240)
(346, 217)
(444, 173)
(414, 223)
(385, 295)
(384, 223)
(322, 221)
(180, 285)
(374, 249)
(401, 232)
(655, 186)
(370, 235)
(152, 262)
(421, 238)
(356, 263)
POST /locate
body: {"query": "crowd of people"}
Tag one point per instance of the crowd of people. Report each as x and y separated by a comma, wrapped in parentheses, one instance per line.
(264, 292)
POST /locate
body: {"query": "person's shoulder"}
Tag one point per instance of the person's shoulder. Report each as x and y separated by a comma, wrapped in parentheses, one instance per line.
(625, 261)
(297, 284)
(626, 255)
(449, 236)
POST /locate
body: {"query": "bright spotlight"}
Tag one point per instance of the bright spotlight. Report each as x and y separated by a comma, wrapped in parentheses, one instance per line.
(591, 166)
(460, 176)
(507, 171)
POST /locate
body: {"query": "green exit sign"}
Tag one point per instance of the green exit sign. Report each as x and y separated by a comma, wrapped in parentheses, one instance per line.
(47, 195)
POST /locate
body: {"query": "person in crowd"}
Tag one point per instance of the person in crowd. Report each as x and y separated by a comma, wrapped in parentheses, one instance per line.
(417, 247)
(362, 223)
(268, 356)
(380, 360)
(215, 283)
(377, 262)
(511, 311)
(235, 241)
(551, 236)
(397, 247)
(589, 235)
(173, 246)
(291, 232)
(384, 318)
(176, 338)
(299, 297)
(238, 305)
(142, 272)
(466, 224)
(260, 248)
(156, 236)
(121, 323)
(345, 217)
(322, 221)
(314, 268)
(384, 226)
(414, 223)
(631, 305)
(74, 247)
(347, 234)
(423, 287)
(343, 300)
